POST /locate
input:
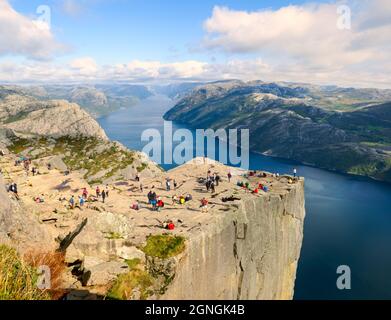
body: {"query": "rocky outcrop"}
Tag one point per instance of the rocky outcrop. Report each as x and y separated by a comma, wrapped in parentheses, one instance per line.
(47, 118)
(18, 227)
(251, 253)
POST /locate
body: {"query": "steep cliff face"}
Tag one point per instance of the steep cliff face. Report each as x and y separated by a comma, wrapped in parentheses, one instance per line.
(251, 253)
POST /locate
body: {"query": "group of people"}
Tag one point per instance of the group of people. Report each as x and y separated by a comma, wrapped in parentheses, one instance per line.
(212, 181)
(156, 202)
(168, 184)
(83, 198)
(102, 193)
(181, 199)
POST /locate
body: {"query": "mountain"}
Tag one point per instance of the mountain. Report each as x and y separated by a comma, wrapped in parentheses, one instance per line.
(98, 100)
(67, 136)
(177, 90)
(299, 122)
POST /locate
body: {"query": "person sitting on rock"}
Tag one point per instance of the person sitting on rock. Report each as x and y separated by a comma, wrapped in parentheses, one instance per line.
(182, 200)
(204, 205)
(174, 199)
(189, 197)
(160, 205)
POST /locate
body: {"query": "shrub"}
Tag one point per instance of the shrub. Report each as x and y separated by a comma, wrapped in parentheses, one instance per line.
(164, 246)
(18, 280)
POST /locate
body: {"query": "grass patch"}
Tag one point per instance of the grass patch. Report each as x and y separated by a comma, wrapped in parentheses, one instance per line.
(113, 236)
(164, 246)
(142, 167)
(18, 280)
(123, 287)
(133, 263)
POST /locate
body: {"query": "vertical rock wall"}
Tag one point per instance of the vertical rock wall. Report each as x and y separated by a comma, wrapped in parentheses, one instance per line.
(247, 253)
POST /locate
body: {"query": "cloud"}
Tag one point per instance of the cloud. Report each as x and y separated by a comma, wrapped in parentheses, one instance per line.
(307, 36)
(85, 69)
(25, 37)
(84, 66)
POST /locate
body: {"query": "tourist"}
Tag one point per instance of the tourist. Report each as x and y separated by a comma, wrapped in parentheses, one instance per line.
(97, 192)
(294, 172)
(174, 199)
(33, 171)
(160, 205)
(15, 190)
(204, 205)
(217, 179)
(229, 176)
(107, 190)
(137, 177)
(85, 193)
(182, 200)
(103, 196)
(141, 187)
(72, 202)
(189, 197)
(168, 185)
(175, 185)
(81, 202)
(152, 198)
(212, 187)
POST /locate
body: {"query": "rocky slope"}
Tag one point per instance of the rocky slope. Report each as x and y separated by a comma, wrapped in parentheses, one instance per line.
(296, 122)
(27, 115)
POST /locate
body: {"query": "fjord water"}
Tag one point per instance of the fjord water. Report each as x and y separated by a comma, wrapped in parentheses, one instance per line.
(348, 218)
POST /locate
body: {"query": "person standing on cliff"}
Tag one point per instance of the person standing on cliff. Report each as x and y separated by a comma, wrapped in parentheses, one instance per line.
(229, 176)
(294, 172)
(103, 196)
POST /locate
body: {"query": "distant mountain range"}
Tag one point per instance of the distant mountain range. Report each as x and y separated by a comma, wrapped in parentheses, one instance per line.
(342, 129)
(98, 100)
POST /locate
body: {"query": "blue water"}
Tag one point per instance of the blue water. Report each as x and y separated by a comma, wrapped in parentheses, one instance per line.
(348, 218)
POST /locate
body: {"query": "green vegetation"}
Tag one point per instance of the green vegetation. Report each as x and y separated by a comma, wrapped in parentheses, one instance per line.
(81, 153)
(142, 167)
(133, 263)
(137, 278)
(164, 246)
(18, 279)
(113, 236)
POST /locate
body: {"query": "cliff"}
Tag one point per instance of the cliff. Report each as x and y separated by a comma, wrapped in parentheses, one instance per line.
(245, 247)
(250, 253)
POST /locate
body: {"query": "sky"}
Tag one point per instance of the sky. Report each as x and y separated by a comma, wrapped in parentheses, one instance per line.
(345, 43)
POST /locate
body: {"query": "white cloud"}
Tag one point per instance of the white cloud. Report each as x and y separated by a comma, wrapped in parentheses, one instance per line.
(84, 66)
(87, 70)
(306, 38)
(25, 37)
